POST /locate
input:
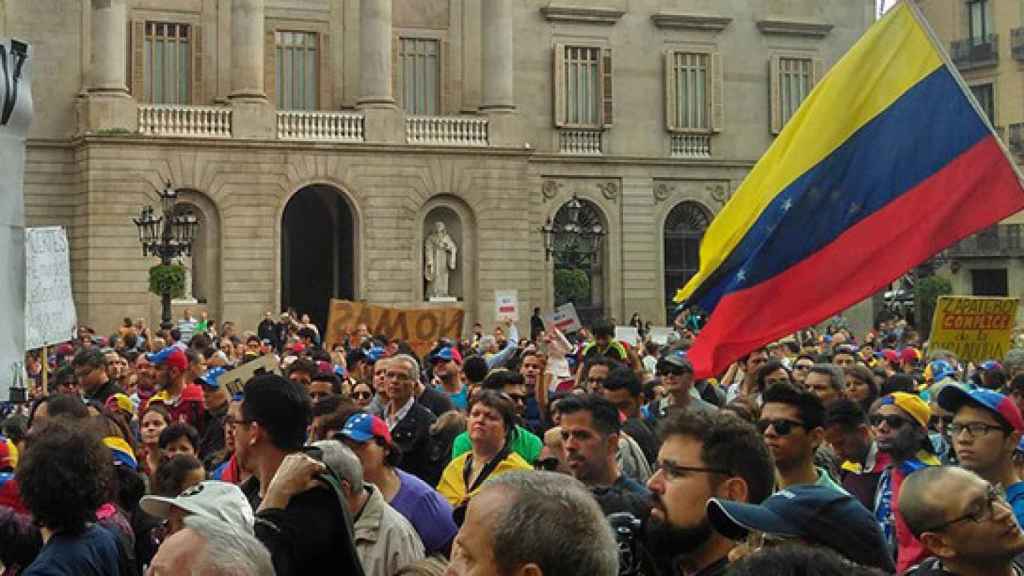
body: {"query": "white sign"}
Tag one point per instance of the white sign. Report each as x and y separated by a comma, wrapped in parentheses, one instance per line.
(662, 335)
(15, 117)
(628, 334)
(49, 308)
(506, 305)
(564, 318)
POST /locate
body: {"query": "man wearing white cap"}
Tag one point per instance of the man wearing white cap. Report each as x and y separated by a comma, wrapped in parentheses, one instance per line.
(211, 498)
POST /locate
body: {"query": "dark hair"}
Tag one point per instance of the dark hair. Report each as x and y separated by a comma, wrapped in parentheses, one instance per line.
(192, 356)
(93, 357)
(898, 382)
(624, 378)
(169, 477)
(845, 413)
(303, 365)
(807, 356)
(603, 413)
(649, 389)
(280, 406)
(794, 559)
(598, 360)
(175, 334)
(160, 409)
(866, 376)
(329, 377)
(15, 427)
(744, 408)
(498, 379)
(500, 403)
(307, 332)
(743, 359)
(60, 405)
(807, 404)
(727, 443)
(475, 368)
(768, 368)
(603, 329)
(179, 430)
(326, 405)
(64, 475)
(1017, 384)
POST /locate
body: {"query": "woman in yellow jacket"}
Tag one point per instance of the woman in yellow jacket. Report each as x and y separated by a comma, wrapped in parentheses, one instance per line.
(491, 421)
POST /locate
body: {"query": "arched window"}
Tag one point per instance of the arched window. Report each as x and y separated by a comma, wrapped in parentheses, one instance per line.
(579, 261)
(684, 229)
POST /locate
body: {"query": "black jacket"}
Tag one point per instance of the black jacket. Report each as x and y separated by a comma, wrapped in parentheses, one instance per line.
(104, 392)
(412, 436)
(436, 401)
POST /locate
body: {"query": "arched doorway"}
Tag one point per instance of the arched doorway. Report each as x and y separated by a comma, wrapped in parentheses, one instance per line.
(579, 270)
(317, 252)
(684, 229)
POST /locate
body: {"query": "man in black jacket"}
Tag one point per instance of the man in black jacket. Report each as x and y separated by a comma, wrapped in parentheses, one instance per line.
(298, 518)
(91, 372)
(408, 420)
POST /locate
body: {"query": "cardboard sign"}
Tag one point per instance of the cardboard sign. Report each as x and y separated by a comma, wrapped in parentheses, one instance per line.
(628, 334)
(662, 335)
(974, 328)
(506, 303)
(235, 380)
(49, 308)
(420, 327)
(564, 318)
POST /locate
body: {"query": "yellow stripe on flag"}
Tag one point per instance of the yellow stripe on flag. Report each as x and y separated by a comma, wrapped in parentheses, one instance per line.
(892, 56)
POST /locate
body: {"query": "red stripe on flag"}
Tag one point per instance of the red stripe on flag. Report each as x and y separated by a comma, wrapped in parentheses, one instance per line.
(975, 190)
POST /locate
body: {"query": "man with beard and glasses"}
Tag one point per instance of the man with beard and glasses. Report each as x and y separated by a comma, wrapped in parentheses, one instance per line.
(702, 456)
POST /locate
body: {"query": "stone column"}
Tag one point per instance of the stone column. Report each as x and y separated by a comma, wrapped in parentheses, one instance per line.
(252, 116)
(383, 122)
(107, 105)
(497, 100)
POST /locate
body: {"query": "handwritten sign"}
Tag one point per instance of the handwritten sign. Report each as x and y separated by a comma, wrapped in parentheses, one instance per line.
(15, 118)
(506, 303)
(628, 334)
(564, 318)
(974, 328)
(662, 335)
(49, 308)
(420, 327)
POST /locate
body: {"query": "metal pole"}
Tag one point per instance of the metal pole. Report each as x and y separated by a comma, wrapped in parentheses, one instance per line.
(165, 260)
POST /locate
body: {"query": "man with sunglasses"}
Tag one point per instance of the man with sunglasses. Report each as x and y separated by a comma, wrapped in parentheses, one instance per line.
(985, 431)
(963, 522)
(900, 424)
(792, 423)
(801, 367)
(676, 375)
(702, 456)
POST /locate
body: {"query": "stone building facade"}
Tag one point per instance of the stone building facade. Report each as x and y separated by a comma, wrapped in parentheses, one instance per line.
(319, 140)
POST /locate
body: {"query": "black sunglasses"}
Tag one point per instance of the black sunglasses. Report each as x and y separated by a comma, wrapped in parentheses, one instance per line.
(781, 426)
(892, 421)
(672, 370)
(548, 464)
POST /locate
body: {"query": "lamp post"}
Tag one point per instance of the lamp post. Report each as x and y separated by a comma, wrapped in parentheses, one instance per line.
(580, 238)
(168, 235)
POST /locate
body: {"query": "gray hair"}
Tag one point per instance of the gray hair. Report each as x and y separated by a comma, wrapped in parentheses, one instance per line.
(834, 373)
(487, 341)
(343, 461)
(228, 551)
(546, 503)
(414, 365)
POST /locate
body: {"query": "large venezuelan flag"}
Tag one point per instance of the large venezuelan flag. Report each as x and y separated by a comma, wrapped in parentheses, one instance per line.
(887, 162)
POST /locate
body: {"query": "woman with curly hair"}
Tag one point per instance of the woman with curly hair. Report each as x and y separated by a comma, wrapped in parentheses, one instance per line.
(65, 475)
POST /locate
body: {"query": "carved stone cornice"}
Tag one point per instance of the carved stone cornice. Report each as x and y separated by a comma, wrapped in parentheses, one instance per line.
(794, 27)
(581, 14)
(681, 21)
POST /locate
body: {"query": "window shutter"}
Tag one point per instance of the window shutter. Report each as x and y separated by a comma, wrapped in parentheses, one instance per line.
(323, 58)
(396, 80)
(442, 77)
(138, 59)
(606, 86)
(197, 65)
(270, 66)
(775, 104)
(717, 95)
(670, 91)
(817, 71)
(558, 81)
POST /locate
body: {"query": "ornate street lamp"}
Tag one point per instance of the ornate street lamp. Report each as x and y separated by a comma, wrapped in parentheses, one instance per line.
(166, 236)
(574, 236)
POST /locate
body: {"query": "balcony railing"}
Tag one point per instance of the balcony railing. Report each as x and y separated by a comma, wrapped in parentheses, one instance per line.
(581, 142)
(690, 146)
(1001, 240)
(1017, 43)
(1015, 138)
(185, 121)
(319, 126)
(976, 52)
(446, 131)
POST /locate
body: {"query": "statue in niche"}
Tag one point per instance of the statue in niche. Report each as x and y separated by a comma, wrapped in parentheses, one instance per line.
(186, 263)
(439, 253)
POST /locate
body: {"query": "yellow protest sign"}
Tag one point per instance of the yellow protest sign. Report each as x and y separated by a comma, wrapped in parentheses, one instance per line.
(974, 328)
(420, 327)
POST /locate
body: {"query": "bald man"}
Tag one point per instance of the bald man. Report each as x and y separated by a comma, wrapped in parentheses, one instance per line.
(963, 522)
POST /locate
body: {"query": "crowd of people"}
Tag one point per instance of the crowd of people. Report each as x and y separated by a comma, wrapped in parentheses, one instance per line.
(508, 454)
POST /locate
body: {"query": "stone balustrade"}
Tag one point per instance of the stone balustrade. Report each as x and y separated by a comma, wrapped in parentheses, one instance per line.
(320, 126)
(446, 130)
(185, 121)
(690, 146)
(581, 142)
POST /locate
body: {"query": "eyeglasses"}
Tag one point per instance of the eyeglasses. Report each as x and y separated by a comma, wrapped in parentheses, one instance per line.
(891, 420)
(674, 471)
(803, 367)
(362, 395)
(984, 513)
(672, 371)
(547, 464)
(781, 426)
(974, 429)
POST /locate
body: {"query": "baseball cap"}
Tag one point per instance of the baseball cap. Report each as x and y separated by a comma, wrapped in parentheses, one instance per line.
(888, 354)
(910, 355)
(952, 398)
(374, 354)
(447, 354)
(362, 427)
(8, 453)
(676, 358)
(813, 513)
(211, 499)
(912, 405)
(171, 356)
(940, 370)
(990, 365)
(210, 377)
(121, 451)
